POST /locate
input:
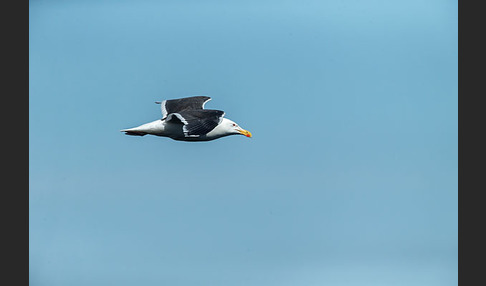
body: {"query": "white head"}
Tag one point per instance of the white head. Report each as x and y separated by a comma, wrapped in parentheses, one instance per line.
(228, 127)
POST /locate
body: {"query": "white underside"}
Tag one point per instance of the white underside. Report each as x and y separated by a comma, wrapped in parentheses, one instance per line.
(174, 131)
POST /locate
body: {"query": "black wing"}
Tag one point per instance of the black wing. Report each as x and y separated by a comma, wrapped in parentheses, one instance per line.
(197, 122)
(182, 104)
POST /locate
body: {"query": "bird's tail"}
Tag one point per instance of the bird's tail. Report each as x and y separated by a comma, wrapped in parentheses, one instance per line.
(133, 132)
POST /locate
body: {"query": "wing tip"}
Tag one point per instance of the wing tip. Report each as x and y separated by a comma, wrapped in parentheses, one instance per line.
(206, 101)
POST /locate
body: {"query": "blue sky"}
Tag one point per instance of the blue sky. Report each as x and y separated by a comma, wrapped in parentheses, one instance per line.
(350, 177)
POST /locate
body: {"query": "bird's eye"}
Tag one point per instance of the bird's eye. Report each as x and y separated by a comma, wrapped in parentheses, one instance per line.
(234, 124)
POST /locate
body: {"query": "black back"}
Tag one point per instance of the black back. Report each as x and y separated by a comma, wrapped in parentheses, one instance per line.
(197, 122)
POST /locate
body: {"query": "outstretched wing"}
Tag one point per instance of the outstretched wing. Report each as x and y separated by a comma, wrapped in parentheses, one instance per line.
(197, 122)
(182, 104)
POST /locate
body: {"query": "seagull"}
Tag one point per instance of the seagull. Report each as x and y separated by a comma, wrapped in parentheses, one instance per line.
(185, 119)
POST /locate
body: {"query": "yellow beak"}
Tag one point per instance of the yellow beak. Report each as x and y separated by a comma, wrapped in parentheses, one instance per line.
(245, 132)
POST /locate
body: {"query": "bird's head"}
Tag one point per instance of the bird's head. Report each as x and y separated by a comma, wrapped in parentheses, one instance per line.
(232, 127)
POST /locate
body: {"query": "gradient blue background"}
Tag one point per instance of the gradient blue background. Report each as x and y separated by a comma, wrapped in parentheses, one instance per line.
(350, 178)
